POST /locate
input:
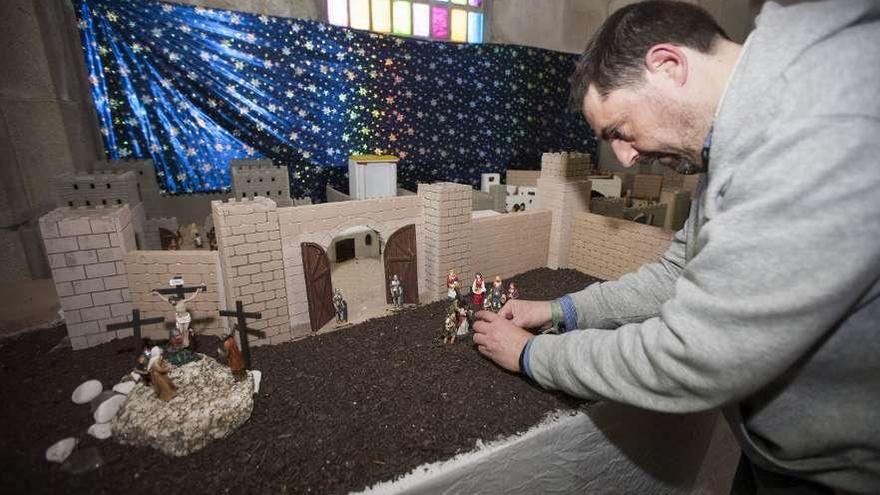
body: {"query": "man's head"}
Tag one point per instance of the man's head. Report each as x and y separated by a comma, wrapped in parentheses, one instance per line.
(650, 79)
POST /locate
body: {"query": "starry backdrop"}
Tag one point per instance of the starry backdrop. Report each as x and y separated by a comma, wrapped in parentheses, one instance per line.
(193, 88)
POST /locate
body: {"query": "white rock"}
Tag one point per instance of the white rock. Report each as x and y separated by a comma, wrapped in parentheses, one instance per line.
(101, 431)
(86, 392)
(124, 388)
(59, 451)
(107, 410)
(210, 404)
(136, 377)
(257, 376)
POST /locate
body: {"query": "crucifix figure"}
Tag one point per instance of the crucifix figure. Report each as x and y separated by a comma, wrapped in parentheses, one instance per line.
(243, 330)
(179, 337)
(136, 323)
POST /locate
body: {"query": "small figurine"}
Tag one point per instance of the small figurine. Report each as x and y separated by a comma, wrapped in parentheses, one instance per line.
(340, 306)
(179, 337)
(512, 291)
(463, 317)
(141, 368)
(453, 285)
(158, 370)
(450, 329)
(497, 295)
(197, 240)
(172, 244)
(396, 292)
(232, 355)
(478, 290)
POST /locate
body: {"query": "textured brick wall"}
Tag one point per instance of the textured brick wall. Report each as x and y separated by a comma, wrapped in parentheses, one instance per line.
(86, 249)
(321, 223)
(510, 244)
(249, 242)
(149, 270)
(564, 190)
(607, 248)
(522, 177)
(447, 216)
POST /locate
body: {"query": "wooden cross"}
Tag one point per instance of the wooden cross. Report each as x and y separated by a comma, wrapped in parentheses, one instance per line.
(180, 290)
(243, 329)
(136, 323)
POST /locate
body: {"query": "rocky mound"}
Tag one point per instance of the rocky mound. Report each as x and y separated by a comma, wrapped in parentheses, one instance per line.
(209, 405)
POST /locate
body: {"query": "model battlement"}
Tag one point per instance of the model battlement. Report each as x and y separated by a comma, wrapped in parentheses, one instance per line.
(565, 165)
(97, 211)
(116, 187)
(252, 178)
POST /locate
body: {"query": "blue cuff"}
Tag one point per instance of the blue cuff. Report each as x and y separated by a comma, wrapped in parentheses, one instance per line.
(569, 314)
(524, 366)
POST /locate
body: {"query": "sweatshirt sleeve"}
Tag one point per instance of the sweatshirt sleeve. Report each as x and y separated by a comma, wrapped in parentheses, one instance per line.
(788, 250)
(634, 297)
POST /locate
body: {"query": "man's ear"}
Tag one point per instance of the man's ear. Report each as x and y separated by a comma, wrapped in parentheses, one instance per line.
(667, 60)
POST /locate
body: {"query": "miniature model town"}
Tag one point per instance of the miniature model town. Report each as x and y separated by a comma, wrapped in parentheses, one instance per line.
(217, 319)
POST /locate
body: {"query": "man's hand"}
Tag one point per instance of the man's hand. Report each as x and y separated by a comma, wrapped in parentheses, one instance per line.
(527, 314)
(499, 339)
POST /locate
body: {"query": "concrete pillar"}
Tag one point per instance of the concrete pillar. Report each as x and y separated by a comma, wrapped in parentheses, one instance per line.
(249, 241)
(86, 249)
(447, 226)
(564, 190)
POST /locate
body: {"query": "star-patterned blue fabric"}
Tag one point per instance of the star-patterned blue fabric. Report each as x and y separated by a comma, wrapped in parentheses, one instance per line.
(193, 88)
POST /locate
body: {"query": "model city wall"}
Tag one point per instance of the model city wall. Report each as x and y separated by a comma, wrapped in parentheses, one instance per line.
(259, 259)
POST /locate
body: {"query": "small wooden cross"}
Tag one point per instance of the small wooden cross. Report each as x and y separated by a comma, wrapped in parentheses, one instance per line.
(136, 323)
(243, 329)
(180, 290)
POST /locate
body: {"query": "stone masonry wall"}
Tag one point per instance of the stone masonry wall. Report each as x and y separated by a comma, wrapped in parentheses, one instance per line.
(447, 215)
(564, 190)
(322, 222)
(510, 244)
(149, 270)
(607, 248)
(249, 242)
(86, 248)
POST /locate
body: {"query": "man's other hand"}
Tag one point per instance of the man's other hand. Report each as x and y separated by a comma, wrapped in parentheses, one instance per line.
(499, 339)
(527, 314)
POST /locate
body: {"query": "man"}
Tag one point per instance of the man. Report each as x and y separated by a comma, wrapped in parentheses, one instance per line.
(766, 302)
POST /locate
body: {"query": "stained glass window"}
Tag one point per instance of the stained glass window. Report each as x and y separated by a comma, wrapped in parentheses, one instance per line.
(434, 19)
(458, 25)
(380, 11)
(401, 17)
(421, 21)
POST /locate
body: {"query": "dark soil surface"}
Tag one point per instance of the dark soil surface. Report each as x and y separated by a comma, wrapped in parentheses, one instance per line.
(337, 412)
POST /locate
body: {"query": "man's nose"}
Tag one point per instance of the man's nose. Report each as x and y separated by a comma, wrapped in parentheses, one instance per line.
(624, 152)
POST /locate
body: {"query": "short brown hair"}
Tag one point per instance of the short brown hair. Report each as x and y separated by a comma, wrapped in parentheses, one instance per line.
(615, 56)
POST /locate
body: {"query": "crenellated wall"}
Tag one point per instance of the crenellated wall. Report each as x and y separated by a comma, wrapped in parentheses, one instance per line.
(249, 242)
(86, 248)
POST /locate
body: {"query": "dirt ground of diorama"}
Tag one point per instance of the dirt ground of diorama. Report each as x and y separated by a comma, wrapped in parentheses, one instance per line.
(335, 413)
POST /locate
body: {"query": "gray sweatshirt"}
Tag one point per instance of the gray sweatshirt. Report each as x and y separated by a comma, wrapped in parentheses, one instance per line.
(767, 303)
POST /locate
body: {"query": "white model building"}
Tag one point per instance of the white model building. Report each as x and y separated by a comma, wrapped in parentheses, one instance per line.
(372, 176)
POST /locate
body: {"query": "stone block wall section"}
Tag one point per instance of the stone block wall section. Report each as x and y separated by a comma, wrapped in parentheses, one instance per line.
(86, 248)
(149, 270)
(608, 248)
(152, 239)
(510, 244)
(447, 215)
(249, 242)
(564, 190)
(322, 222)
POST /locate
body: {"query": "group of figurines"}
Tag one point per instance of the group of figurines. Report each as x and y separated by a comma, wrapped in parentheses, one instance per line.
(460, 315)
(175, 242)
(154, 362)
(340, 306)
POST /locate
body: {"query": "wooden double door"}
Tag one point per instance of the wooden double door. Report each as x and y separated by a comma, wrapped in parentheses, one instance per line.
(399, 258)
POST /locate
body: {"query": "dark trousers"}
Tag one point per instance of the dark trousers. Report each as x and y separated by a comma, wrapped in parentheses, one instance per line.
(754, 480)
